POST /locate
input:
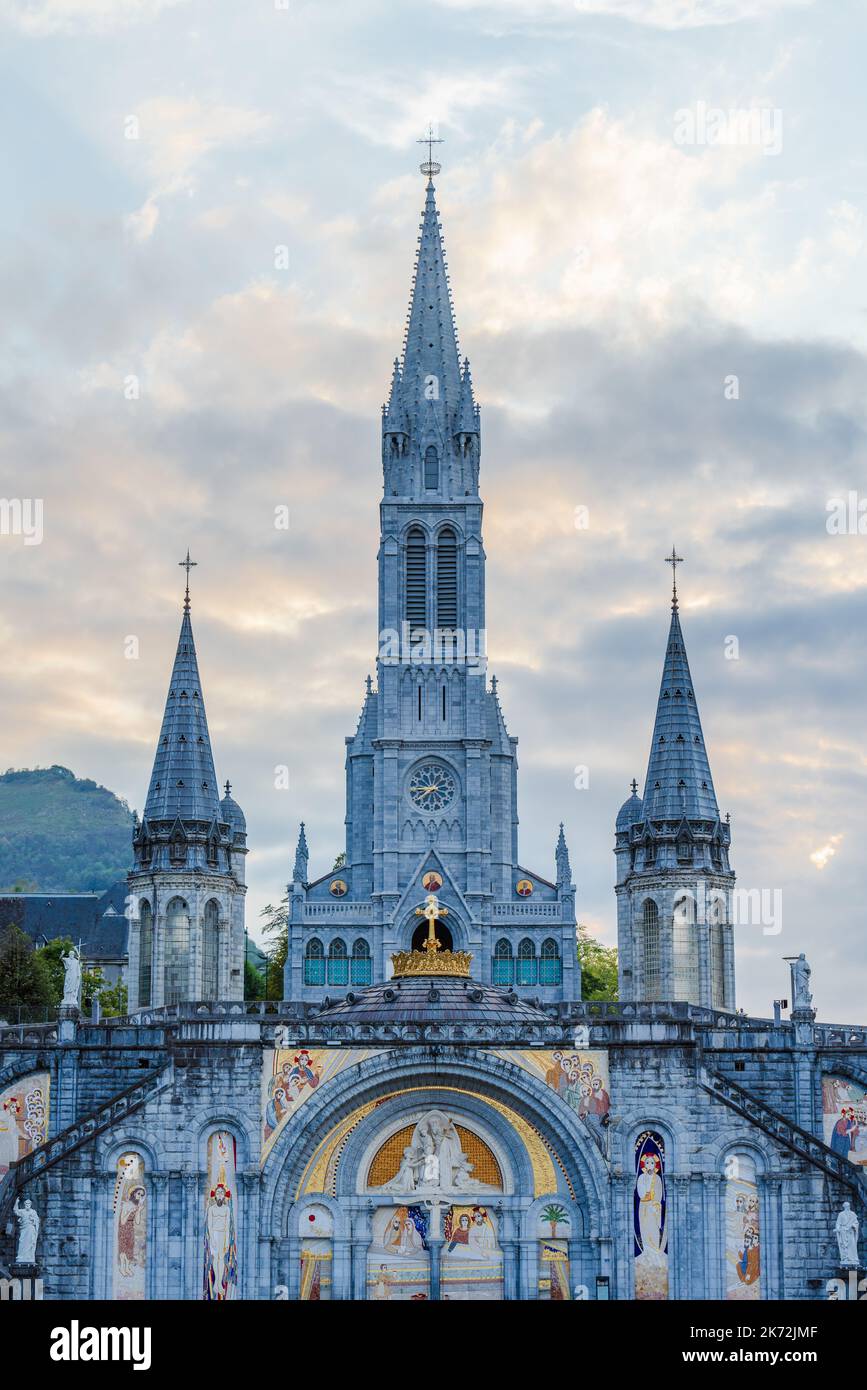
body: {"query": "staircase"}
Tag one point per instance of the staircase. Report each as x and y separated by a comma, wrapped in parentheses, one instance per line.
(800, 1141)
(68, 1140)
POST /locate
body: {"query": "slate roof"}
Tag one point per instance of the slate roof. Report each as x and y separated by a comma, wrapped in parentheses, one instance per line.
(97, 919)
(679, 782)
(410, 999)
(183, 782)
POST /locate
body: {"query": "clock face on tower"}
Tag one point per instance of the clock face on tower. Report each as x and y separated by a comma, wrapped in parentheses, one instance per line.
(432, 787)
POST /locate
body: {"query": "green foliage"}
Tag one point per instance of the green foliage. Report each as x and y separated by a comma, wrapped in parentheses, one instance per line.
(24, 978)
(91, 980)
(60, 833)
(113, 1000)
(275, 929)
(598, 967)
(254, 982)
(340, 861)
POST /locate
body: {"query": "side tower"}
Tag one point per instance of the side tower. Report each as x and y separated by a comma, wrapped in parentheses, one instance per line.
(674, 881)
(186, 889)
(431, 771)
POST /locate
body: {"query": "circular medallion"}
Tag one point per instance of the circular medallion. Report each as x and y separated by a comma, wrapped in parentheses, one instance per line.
(432, 787)
(338, 888)
(432, 882)
(523, 888)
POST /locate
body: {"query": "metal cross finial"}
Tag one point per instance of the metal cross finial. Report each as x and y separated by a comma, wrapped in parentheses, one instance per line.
(430, 167)
(674, 560)
(187, 565)
(228, 787)
(634, 786)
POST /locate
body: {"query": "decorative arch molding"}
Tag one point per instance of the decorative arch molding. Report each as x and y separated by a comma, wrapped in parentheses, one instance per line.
(407, 1107)
(204, 1122)
(575, 1212)
(128, 1140)
(24, 1067)
(300, 1210)
(482, 1076)
(756, 1144)
(663, 1122)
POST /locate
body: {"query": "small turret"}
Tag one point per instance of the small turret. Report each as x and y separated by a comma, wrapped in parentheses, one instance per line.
(302, 854)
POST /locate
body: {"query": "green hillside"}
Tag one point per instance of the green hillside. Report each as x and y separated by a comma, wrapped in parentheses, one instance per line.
(60, 833)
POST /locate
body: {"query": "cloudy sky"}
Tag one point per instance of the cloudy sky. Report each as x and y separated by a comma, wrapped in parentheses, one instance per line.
(654, 216)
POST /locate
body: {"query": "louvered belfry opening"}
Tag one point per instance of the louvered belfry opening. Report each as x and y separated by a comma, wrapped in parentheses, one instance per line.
(416, 580)
(447, 580)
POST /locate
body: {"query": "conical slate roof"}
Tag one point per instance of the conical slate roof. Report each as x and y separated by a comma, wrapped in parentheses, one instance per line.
(430, 357)
(183, 782)
(679, 781)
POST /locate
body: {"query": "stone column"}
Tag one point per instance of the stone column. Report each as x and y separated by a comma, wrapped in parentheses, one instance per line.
(678, 1236)
(157, 1266)
(712, 1219)
(772, 1235)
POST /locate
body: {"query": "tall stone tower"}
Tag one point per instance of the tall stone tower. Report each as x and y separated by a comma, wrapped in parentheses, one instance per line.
(431, 771)
(674, 881)
(186, 889)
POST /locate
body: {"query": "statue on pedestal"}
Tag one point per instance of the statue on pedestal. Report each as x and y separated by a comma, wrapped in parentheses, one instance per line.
(71, 979)
(802, 999)
(846, 1231)
(28, 1231)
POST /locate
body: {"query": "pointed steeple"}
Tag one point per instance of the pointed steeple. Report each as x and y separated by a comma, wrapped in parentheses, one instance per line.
(183, 782)
(679, 782)
(467, 419)
(431, 376)
(561, 855)
(302, 855)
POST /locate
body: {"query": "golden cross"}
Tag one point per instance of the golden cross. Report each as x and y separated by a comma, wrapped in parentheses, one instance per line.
(431, 911)
(187, 565)
(674, 560)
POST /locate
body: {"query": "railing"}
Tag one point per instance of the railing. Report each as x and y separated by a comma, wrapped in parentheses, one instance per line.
(81, 1132)
(358, 912)
(800, 1141)
(527, 912)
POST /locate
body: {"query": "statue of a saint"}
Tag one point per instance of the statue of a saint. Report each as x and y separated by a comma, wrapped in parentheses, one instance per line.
(846, 1231)
(28, 1231)
(72, 979)
(801, 996)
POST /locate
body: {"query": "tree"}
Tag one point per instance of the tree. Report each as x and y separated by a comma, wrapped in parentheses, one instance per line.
(24, 978)
(114, 1000)
(598, 967)
(276, 932)
(92, 982)
(340, 861)
(254, 983)
(554, 1213)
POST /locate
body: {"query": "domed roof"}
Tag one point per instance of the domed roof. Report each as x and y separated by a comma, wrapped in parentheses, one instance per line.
(630, 812)
(435, 999)
(230, 811)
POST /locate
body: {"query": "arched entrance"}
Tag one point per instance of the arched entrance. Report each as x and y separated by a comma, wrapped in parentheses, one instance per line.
(443, 935)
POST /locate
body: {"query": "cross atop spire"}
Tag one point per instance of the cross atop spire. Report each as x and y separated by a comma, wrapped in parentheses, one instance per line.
(674, 560)
(187, 565)
(430, 166)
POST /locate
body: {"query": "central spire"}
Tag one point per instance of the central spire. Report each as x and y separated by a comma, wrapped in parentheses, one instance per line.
(431, 375)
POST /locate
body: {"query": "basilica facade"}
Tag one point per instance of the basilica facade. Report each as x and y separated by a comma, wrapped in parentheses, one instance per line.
(432, 1112)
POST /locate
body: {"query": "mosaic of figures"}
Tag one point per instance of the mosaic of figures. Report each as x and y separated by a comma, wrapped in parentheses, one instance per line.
(650, 1218)
(23, 1118)
(220, 1277)
(580, 1078)
(130, 1216)
(844, 1114)
(472, 1265)
(398, 1267)
(743, 1245)
(434, 1159)
(289, 1078)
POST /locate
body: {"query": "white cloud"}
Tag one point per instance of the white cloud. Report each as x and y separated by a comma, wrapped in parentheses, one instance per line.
(663, 14)
(41, 17)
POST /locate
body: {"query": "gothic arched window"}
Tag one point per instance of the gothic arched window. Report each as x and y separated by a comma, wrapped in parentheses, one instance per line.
(431, 469)
(361, 963)
(650, 950)
(526, 963)
(416, 579)
(550, 965)
(145, 952)
(314, 963)
(447, 580)
(210, 951)
(177, 969)
(338, 963)
(685, 949)
(503, 966)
